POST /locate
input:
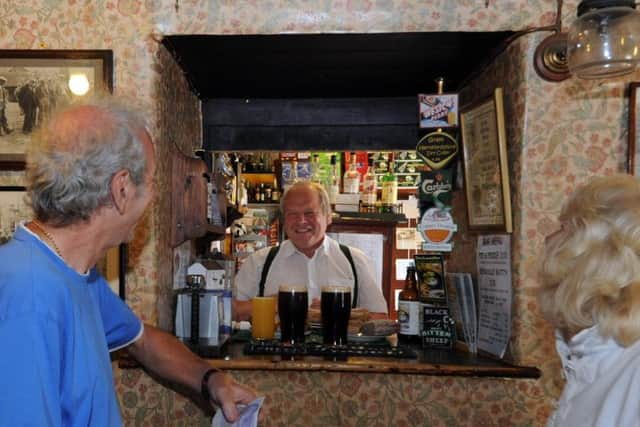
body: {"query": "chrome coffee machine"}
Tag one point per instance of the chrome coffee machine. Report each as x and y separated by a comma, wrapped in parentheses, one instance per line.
(199, 314)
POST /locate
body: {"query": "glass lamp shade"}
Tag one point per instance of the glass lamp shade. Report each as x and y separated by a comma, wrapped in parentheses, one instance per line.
(604, 41)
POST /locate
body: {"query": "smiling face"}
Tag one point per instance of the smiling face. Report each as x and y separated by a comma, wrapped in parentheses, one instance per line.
(305, 220)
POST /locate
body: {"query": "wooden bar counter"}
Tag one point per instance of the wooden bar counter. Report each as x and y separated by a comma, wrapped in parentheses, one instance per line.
(438, 388)
(428, 362)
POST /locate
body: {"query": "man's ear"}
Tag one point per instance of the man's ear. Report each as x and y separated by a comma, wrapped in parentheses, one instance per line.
(120, 190)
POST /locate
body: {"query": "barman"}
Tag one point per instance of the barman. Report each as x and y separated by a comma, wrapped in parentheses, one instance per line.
(308, 257)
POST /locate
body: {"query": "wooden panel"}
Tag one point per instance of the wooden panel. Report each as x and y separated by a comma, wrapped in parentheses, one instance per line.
(188, 198)
(311, 138)
(317, 124)
(311, 111)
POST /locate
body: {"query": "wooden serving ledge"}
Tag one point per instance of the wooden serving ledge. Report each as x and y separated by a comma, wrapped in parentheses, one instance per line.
(429, 362)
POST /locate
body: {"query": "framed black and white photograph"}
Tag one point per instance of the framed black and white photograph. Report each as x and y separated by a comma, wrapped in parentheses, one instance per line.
(13, 210)
(34, 83)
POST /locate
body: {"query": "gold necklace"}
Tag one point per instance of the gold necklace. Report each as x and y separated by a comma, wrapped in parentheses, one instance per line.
(44, 233)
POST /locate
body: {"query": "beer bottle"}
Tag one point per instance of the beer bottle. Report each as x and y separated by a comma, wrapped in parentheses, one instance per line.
(409, 309)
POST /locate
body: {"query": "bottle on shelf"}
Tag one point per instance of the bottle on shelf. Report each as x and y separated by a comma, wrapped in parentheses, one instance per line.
(409, 310)
(316, 170)
(275, 191)
(351, 180)
(369, 195)
(389, 197)
(291, 175)
(243, 197)
(334, 181)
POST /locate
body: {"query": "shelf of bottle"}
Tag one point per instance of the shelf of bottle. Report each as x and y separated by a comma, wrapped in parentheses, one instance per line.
(258, 172)
(217, 230)
(379, 216)
(263, 205)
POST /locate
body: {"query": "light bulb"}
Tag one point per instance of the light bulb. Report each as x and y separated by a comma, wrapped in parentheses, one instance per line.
(79, 84)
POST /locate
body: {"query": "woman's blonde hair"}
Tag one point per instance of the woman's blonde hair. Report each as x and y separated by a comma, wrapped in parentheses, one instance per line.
(591, 267)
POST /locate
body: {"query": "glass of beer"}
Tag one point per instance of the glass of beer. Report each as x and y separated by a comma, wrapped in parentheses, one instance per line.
(263, 317)
(335, 304)
(293, 304)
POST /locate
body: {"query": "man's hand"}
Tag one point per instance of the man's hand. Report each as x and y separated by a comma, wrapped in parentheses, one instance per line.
(226, 393)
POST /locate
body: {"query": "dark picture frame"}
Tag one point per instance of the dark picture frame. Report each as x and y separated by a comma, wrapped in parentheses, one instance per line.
(12, 210)
(486, 173)
(633, 164)
(36, 83)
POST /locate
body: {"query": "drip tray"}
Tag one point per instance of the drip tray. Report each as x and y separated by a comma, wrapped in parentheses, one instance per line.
(313, 349)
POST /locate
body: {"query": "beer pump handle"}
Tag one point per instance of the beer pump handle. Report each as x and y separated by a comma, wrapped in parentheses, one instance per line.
(195, 282)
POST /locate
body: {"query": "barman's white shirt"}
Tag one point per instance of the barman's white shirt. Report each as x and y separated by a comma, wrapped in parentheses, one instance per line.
(603, 382)
(327, 266)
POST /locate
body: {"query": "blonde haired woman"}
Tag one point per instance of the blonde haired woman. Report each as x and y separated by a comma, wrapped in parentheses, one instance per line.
(591, 294)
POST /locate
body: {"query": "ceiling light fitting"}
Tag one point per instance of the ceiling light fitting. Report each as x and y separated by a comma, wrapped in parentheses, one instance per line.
(604, 41)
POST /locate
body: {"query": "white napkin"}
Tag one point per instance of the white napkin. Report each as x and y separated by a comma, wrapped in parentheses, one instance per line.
(248, 415)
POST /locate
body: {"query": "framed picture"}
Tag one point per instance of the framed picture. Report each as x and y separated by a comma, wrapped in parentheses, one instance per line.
(486, 174)
(33, 83)
(13, 209)
(634, 129)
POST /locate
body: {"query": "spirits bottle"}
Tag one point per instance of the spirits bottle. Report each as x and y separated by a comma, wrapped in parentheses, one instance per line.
(389, 188)
(351, 181)
(275, 192)
(334, 181)
(316, 170)
(409, 309)
(290, 177)
(369, 195)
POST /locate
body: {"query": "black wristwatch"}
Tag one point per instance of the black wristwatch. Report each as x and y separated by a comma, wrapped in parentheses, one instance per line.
(204, 385)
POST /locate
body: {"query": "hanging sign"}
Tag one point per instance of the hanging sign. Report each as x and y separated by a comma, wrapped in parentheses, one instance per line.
(437, 149)
(437, 111)
(437, 228)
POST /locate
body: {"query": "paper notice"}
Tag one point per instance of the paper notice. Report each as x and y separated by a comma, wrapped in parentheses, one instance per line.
(494, 293)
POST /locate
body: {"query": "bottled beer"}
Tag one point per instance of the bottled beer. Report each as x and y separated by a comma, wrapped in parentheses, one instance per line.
(409, 309)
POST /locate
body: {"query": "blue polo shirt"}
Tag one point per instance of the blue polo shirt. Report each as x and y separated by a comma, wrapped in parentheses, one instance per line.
(56, 330)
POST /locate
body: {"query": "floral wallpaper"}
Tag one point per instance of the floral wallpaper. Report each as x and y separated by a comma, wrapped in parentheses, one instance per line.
(559, 134)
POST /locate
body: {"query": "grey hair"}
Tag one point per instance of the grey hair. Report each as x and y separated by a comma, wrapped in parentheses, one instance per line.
(71, 161)
(325, 204)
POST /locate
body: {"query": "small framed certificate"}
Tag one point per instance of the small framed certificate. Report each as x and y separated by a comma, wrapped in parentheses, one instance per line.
(486, 174)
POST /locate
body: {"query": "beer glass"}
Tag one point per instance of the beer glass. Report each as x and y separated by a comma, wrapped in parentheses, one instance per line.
(263, 317)
(335, 304)
(293, 303)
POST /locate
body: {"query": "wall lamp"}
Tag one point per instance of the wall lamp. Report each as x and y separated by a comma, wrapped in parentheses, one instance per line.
(604, 41)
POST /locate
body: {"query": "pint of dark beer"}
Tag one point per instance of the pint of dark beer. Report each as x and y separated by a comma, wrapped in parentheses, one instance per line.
(335, 305)
(293, 303)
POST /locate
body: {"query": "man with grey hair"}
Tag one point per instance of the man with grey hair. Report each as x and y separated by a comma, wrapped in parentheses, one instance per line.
(308, 257)
(4, 102)
(90, 177)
